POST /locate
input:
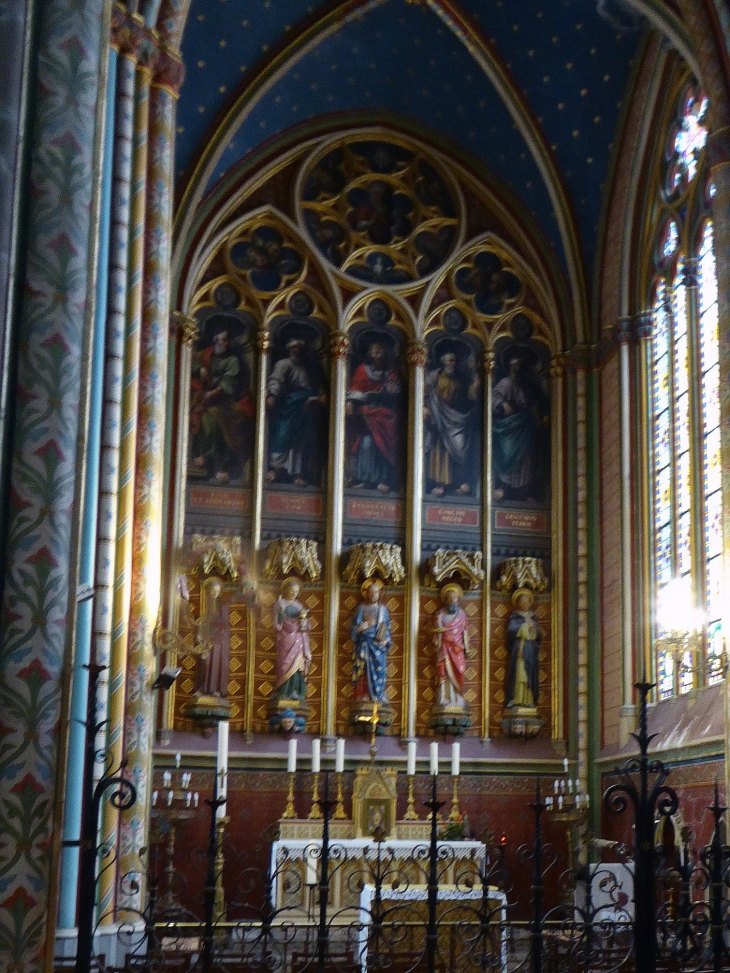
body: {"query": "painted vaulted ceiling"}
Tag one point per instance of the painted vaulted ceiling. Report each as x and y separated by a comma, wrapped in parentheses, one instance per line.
(509, 82)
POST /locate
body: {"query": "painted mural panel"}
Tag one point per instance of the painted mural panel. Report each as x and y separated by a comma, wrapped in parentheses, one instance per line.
(452, 412)
(376, 409)
(222, 407)
(297, 398)
(521, 419)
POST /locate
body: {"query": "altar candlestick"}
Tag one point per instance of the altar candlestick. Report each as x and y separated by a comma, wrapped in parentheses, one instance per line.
(434, 759)
(455, 759)
(315, 756)
(340, 756)
(412, 744)
(291, 762)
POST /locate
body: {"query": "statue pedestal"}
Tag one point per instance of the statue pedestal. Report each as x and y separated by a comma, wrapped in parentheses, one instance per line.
(206, 710)
(361, 716)
(288, 715)
(449, 719)
(521, 721)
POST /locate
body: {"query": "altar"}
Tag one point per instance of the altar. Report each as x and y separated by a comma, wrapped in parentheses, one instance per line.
(295, 867)
(456, 910)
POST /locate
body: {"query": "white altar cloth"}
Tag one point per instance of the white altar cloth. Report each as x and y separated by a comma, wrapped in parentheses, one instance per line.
(308, 850)
(419, 893)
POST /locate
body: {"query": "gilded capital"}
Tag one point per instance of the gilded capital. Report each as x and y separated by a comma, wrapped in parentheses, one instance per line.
(186, 326)
(263, 340)
(489, 361)
(417, 353)
(169, 71)
(558, 363)
(339, 345)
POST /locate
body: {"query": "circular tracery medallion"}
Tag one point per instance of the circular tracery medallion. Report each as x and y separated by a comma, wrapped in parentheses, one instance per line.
(379, 212)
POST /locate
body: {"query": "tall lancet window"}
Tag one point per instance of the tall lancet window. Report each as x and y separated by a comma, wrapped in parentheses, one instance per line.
(686, 500)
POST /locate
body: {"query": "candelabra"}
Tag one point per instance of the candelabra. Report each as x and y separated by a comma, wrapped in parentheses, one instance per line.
(568, 805)
(177, 806)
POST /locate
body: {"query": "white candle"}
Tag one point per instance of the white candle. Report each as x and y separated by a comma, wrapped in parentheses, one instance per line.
(455, 759)
(434, 758)
(570, 786)
(188, 798)
(560, 803)
(166, 779)
(195, 799)
(555, 786)
(587, 800)
(154, 798)
(177, 759)
(311, 870)
(565, 765)
(169, 798)
(221, 767)
(340, 756)
(315, 756)
(412, 744)
(291, 760)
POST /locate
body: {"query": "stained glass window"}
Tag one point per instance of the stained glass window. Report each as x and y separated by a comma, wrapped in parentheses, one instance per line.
(687, 495)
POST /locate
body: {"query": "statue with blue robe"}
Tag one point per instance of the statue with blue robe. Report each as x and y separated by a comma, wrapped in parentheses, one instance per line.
(371, 636)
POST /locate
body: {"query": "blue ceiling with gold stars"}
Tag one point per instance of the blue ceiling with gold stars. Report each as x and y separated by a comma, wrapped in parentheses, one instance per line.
(570, 65)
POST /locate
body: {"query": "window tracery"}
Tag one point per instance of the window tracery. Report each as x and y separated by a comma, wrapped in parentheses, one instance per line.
(686, 498)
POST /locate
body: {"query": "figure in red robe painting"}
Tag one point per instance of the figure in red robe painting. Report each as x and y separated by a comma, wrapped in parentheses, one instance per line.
(374, 417)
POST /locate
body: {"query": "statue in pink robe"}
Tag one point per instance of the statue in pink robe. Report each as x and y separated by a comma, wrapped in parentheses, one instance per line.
(451, 638)
(211, 669)
(293, 653)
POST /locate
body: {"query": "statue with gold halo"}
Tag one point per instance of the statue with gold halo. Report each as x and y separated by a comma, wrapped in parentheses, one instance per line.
(451, 638)
(293, 654)
(523, 641)
(371, 637)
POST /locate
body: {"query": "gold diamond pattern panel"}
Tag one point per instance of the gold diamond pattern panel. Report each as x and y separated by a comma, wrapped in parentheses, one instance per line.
(426, 661)
(265, 668)
(501, 611)
(238, 621)
(349, 600)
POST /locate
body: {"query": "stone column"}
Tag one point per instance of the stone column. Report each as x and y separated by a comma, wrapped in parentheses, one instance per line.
(642, 326)
(126, 38)
(559, 586)
(263, 343)
(54, 317)
(339, 348)
(487, 506)
(146, 574)
(414, 491)
(627, 718)
(581, 360)
(122, 572)
(183, 334)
